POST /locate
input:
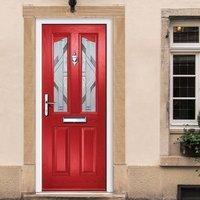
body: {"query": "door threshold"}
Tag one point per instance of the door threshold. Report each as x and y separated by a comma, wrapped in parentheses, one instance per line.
(75, 194)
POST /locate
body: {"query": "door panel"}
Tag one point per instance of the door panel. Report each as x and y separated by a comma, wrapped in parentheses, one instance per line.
(61, 150)
(73, 77)
(89, 148)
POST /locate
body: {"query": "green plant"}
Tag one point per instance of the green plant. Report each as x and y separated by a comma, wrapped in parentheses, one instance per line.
(191, 140)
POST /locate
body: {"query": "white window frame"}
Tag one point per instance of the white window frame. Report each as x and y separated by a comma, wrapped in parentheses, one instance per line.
(184, 46)
(185, 49)
(109, 102)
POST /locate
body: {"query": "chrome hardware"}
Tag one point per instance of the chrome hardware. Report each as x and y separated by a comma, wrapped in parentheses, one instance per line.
(74, 120)
(74, 59)
(51, 103)
(46, 104)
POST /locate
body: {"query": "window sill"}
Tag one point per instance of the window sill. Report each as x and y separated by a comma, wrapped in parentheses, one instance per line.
(179, 130)
(176, 131)
(178, 161)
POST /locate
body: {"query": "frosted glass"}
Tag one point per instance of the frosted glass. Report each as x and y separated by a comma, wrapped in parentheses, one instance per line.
(88, 75)
(60, 75)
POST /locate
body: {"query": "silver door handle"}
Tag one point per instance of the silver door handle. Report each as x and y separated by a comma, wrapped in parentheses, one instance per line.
(74, 120)
(46, 104)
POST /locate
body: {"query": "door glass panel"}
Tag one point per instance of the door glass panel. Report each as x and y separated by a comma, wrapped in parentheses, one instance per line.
(60, 75)
(88, 74)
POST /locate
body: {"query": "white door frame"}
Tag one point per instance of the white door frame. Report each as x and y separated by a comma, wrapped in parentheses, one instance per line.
(109, 128)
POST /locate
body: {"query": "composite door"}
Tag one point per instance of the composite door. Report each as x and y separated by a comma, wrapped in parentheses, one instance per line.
(74, 107)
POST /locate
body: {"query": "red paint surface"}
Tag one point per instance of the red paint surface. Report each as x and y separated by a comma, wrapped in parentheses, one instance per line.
(74, 155)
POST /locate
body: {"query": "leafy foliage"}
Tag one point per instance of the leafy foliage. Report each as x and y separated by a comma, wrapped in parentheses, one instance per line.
(191, 137)
(191, 140)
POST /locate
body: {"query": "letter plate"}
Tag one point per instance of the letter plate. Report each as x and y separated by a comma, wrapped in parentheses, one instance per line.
(74, 120)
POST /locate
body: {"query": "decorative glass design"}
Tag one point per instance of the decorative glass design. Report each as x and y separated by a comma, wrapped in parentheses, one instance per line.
(184, 87)
(185, 34)
(88, 75)
(60, 75)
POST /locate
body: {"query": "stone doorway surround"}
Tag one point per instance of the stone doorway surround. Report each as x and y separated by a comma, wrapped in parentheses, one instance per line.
(117, 15)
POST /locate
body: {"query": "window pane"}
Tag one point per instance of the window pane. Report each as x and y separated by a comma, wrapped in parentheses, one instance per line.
(183, 109)
(88, 74)
(60, 75)
(184, 86)
(184, 64)
(186, 34)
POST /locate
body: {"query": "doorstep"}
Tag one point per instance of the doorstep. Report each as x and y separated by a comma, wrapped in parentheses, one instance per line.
(74, 196)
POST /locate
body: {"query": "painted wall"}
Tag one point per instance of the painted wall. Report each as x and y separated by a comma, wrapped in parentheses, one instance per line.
(143, 25)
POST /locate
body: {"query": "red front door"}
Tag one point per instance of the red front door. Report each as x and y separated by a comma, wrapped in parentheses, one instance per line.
(74, 107)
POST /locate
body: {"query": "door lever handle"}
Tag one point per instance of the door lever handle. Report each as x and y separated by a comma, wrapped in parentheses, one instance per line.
(50, 103)
(46, 104)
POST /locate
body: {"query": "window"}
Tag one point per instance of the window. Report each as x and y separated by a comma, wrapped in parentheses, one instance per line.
(183, 34)
(184, 73)
(184, 87)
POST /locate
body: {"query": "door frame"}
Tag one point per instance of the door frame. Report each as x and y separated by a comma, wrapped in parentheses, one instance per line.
(109, 101)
